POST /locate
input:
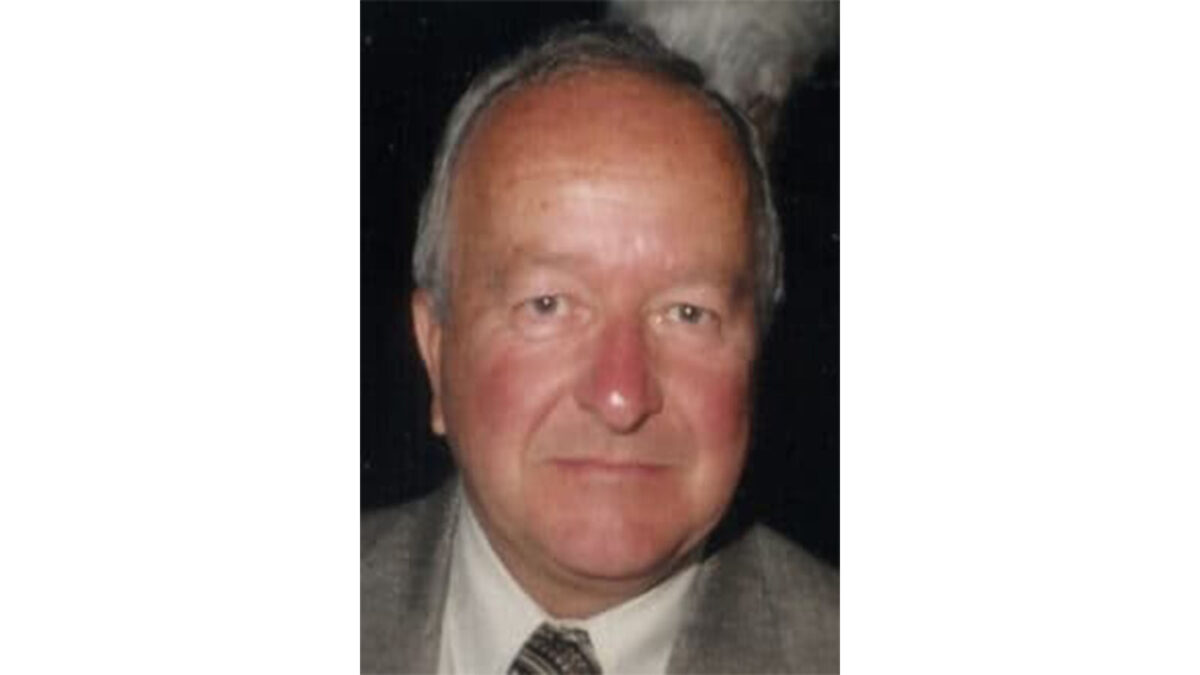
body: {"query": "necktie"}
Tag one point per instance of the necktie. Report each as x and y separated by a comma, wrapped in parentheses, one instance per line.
(556, 651)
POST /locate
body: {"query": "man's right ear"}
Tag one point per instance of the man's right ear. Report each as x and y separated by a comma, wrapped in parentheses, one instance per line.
(428, 329)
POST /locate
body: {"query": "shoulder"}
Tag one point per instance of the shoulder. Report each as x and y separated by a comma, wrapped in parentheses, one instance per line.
(405, 554)
(762, 604)
(390, 529)
(803, 589)
(398, 540)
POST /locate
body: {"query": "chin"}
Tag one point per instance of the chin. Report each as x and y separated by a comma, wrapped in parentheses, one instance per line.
(607, 546)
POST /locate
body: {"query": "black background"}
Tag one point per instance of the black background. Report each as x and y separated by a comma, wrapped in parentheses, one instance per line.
(416, 59)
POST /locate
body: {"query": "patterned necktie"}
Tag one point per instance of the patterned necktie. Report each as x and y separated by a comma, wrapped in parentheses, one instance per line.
(556, 651)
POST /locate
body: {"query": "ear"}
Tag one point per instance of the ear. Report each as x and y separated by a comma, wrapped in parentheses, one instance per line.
(428, 329)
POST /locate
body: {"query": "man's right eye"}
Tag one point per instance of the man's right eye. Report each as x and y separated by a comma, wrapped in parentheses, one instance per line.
(545, 305)
(544, 315)
(542, 308)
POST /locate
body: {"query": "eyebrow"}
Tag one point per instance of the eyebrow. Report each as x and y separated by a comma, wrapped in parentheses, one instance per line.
(737, 284)
(499, 275)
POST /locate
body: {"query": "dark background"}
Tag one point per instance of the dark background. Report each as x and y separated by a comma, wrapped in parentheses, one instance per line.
(416, 59)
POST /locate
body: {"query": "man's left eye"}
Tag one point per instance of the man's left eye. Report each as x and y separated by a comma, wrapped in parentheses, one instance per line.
(687, 313)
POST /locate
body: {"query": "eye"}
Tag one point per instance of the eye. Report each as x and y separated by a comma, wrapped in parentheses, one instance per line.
(545, 305)
(544, 309)
(546, 315)
(689, 314)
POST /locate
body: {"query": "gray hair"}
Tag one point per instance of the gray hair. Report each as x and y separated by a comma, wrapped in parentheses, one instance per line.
(585, 47)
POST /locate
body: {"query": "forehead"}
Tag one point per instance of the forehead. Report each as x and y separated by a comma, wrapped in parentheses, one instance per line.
(596, 123)
(598, 161)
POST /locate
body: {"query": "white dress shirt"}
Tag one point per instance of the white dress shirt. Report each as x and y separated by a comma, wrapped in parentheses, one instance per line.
(489, 616)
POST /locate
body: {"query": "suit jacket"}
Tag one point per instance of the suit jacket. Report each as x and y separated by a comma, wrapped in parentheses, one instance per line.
(758, 605)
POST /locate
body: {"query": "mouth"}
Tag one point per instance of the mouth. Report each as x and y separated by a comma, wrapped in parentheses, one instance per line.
(614, 467)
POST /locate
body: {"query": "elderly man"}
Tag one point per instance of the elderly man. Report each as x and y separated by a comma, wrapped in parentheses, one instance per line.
(596, 265)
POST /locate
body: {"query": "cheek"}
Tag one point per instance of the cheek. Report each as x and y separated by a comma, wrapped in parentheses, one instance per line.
(715, 398)
(712, 398)
(495, 389)
(502, 392)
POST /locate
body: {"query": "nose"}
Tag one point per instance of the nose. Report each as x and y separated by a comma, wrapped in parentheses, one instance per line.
(619, 387)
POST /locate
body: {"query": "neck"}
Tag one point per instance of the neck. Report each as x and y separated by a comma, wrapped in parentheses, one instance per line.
(564, 595)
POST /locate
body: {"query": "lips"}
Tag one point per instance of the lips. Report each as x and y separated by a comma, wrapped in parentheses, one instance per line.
(607, 465)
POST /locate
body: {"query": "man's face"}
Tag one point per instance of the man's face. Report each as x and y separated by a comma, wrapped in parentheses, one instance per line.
(592, 373)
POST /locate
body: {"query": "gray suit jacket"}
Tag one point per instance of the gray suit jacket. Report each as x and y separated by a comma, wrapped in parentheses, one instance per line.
(759, 605)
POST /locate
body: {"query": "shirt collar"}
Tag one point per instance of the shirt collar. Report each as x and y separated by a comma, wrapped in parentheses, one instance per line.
(636, 636)
(488, 616)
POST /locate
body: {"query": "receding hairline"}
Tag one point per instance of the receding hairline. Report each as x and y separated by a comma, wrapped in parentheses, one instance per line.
(565, 53)
(518, 107)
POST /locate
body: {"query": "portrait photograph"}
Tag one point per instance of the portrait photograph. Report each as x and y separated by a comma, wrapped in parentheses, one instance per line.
(599, 337)
(613, 377)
